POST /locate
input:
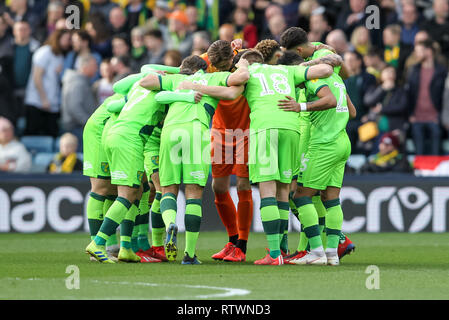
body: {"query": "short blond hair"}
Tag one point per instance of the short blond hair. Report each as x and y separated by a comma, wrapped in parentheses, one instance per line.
(69, 138)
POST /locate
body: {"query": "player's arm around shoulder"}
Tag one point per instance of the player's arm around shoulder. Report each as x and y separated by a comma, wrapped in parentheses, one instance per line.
(241, 75)
(217, 92)
(319, 71)
(151, 82)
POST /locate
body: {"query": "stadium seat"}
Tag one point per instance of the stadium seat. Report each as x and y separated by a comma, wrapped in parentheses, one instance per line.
(356, 161)
(411, 159)
(79, 155)
(35, 144)
(56, 144)
(41, 161)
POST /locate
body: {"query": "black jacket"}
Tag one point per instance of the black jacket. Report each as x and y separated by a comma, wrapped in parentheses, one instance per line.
(436, 86)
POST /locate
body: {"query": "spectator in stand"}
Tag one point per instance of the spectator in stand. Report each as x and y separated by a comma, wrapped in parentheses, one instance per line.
(201, 42)
(438, 27)
(178, 37)
(120, 45)
(43, 92)
(173, 58)
(271, 10)
(352, 16)
(66, 160)
(226, 32)
(103, 7)
(289, 11)
(121, 66)
(6, 42)
(358, 84)
(55, 11)
(388, 159)
(276, 25)
(192, 16)
(155, 47)
(425, 85)
(138, 51)
(409, 23)
(18, 11)
(78, 100)
(99, 32)
(117, 21)
(137, 13)
(103, 87)
(159, 20)
(305, 9)
(244, 29)
(389, 101)
(24, 48)
(395, 52)
(319, 26)
(81, 45)
(14, 157)
(337, 40)
(360, 40)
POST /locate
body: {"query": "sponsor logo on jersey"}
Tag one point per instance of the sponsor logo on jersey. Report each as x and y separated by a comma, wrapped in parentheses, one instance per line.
(341, 109)
(105, 167)
(87, 165)
(118, 175)
(197, 174)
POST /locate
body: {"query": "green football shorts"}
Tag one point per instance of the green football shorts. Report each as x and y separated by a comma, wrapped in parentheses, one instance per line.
(273, 155)
(151, 155)
(326, 163)
(125, 156)
(185, 154)
(95, 162)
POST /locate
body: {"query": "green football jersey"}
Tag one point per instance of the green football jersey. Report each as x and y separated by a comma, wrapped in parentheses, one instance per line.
(101, 114)
(327, 124)
(321, 53)
(304, 117)
(181, 112)
(140, 114)
(267, 85)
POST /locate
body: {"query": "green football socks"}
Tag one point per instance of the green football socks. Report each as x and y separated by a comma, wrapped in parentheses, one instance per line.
(112, 220)
(168, 209)
(269, 213)
(192, 220)
(309, 219)
(334, 222)
(95, 213)
(283, 208)
(127, 225)
(157, 223)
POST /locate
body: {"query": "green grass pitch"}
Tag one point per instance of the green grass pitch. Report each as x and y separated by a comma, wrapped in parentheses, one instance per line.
(411, 266)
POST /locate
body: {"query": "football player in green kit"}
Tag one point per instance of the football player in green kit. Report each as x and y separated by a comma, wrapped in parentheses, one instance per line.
(184, 150)
(327, 152)
(295, 40)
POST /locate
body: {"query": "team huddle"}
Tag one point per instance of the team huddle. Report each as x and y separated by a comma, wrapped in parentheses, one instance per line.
(274, 116)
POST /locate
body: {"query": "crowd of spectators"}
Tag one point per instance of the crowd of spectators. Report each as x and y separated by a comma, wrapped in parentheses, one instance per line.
(52, 77)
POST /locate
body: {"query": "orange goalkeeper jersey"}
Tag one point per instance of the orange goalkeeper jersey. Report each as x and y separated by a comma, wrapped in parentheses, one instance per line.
(230, 114)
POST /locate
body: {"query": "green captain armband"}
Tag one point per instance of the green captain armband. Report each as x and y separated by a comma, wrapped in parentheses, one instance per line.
(167, 97)
(116, 106)
(159, 67)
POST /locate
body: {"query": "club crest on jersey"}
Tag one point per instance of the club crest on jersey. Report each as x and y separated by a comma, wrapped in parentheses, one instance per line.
(105, 167)
(139, 175)
(155, 160)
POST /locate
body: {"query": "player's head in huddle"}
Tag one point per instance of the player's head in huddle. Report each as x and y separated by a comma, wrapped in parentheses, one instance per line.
(252, 56)
(290, 58)
(220, 55)
(270, 49)
(192, 64)
(295, 39)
